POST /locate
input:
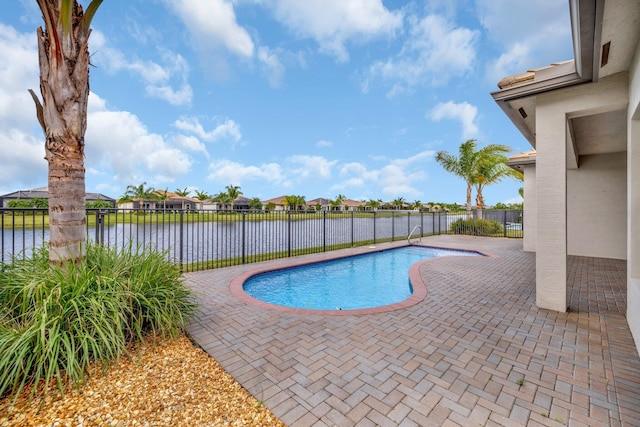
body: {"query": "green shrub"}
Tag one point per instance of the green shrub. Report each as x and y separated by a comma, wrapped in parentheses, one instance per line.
(55, 320)
(99, 204)
(476, 227)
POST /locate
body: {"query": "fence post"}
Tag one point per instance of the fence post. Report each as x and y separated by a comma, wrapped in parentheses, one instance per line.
(374, 227)
(504, 222)
(243, 236)
(97, 232)
(352, 225)
(433, 223)
(324, 231)
(289, 233)
(181, 238)
(2, 235)
(393, 226)
(100, 227)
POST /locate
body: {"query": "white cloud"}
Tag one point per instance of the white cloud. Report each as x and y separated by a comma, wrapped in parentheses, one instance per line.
(304, 166)
(213, 23)
(534, 34)
(228, 130)
(513, 201)
(435, 51)
(463, 112)
(322, 143)
(272, 65)
(121, 143)
(353, 168)
(348, 184)
(190, 143)
(23, 163)
(332, 23)
(21, 138)
(159, 79)
(398, 177)
(230, 172)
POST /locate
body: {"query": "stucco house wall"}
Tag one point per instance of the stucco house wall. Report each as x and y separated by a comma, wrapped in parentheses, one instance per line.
(583, 119)
(553, 109)
(597, 207)
(530, 222)
(633, 196)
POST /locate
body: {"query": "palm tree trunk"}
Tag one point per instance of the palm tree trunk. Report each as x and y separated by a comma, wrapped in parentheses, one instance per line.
(479, 203)
(63, 55)
(468, 200)
(67, 214)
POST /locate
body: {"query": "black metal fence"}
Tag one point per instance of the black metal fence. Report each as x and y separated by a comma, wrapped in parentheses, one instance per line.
(205, 239)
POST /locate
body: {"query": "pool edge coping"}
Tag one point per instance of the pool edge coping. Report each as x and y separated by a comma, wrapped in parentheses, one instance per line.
(236, 286)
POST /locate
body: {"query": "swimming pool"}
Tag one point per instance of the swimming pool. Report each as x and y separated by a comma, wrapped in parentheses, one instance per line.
(355, 282)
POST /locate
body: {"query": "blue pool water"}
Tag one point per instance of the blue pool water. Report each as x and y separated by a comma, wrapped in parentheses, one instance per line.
(362, 281)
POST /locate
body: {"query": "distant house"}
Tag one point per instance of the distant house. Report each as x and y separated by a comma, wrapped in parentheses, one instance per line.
(319, 204)
(279, 203)
(240, 204)
(352, 205)
(211, 205)
(172, 202)
(43, 193)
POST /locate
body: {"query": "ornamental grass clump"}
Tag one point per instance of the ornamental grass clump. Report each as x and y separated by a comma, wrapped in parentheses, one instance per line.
(476, 227)
(56, 320)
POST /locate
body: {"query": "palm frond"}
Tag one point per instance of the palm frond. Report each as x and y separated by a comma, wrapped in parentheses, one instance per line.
(66, 16)
(85, 24)
(39, 109)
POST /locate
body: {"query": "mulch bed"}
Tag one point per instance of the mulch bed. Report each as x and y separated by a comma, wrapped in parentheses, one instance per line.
(163, 382)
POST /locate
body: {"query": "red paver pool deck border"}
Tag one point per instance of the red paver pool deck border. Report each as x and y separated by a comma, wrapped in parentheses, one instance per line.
(476, 351)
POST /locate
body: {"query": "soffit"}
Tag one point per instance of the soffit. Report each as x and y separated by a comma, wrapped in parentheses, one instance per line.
(600, 22)
(620, 27)
(600, 133)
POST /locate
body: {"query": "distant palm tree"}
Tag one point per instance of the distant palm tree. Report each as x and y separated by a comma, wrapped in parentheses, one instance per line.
(224, 199)
(163, 196)
(337, 203)
(141, 192)
(63, 54)
(233, 191)
(183, 193)
(374, 204)
(202, 195)
(301, 203)
(255, 204)
(399, 202)
(289, 202)
(295, 203)
(467, 165)
(491, 167)
(463, 165)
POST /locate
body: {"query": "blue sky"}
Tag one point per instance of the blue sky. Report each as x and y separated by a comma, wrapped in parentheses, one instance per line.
(314, 98)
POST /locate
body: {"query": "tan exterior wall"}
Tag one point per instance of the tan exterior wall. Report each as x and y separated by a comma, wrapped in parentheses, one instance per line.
(530, 226)
(597, 207)
(553, 109)
(633, 200)
(551, 192)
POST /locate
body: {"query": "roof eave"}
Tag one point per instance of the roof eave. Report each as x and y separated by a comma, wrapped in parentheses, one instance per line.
(586, 27)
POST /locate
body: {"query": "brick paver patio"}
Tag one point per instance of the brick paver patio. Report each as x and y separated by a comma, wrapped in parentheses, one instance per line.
(475, 352)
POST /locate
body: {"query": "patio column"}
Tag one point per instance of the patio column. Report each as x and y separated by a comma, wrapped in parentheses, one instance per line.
(551, 190)
(633, 225)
